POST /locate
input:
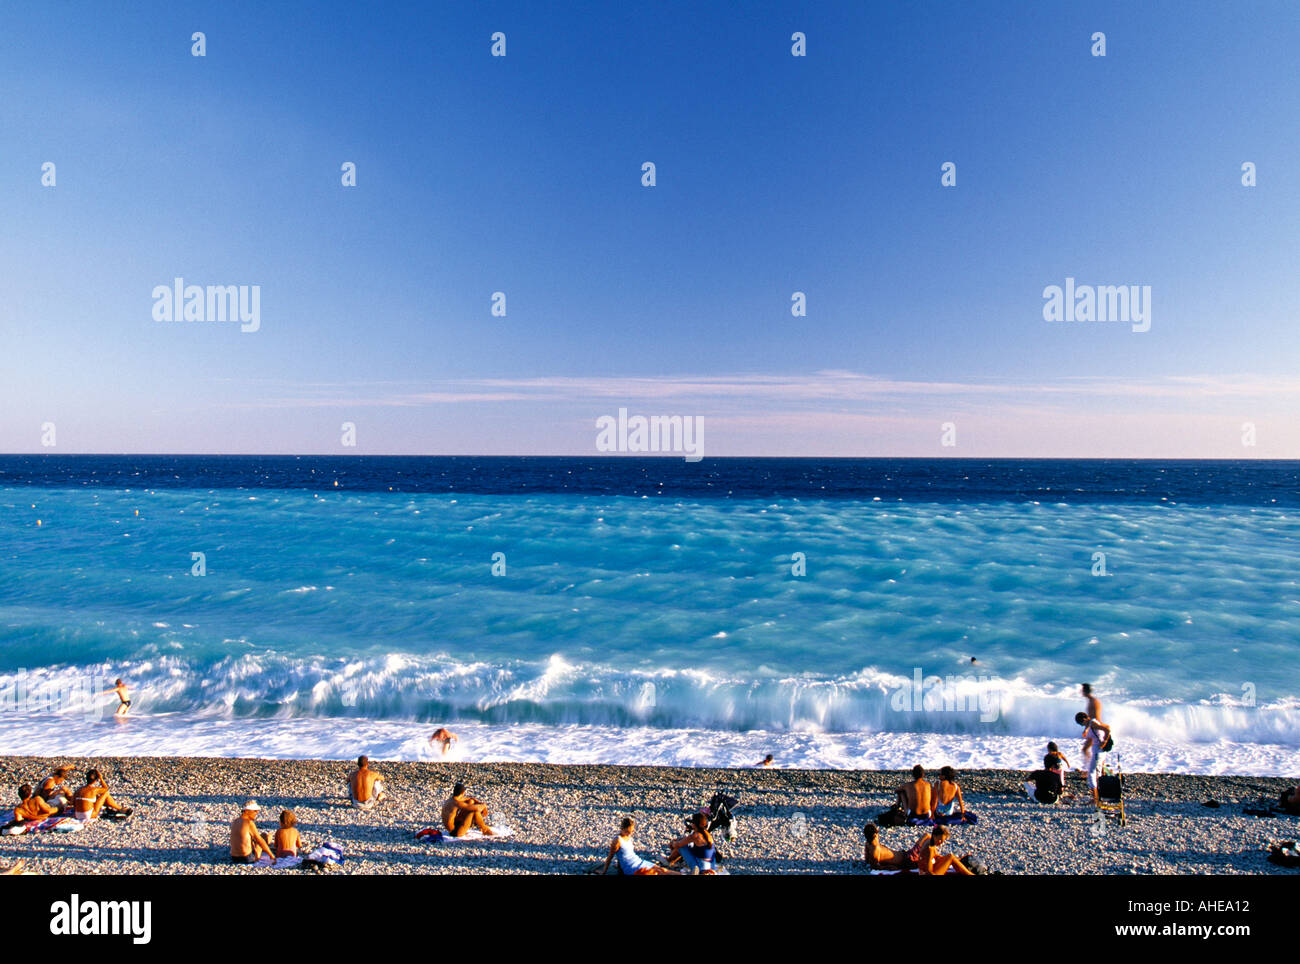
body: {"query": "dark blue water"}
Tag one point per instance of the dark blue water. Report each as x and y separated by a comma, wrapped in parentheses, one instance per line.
(1202, 482)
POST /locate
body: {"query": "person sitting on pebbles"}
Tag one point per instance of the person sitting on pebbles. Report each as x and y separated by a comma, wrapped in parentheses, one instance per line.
(461, 812)
(931, 863)
(54, 789)
(366, 786)
(94, 799)
(629, 861)
(247, 845)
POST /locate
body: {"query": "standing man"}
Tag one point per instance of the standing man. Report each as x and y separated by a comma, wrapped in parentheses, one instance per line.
(123, 698)
(1096, 735)
(1093, 709)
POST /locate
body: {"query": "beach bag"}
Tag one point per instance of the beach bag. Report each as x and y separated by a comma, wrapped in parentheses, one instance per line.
(1284, 854)
(1110, 744)
(893, 817)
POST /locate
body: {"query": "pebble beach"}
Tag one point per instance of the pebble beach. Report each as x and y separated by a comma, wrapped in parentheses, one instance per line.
(563, 817)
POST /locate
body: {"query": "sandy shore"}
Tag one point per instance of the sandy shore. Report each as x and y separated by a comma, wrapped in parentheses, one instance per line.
(563, 816)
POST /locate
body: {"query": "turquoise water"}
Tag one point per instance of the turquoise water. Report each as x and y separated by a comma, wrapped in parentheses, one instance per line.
(618, 617)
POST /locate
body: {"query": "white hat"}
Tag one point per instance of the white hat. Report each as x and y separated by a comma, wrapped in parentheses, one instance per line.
(252, 805)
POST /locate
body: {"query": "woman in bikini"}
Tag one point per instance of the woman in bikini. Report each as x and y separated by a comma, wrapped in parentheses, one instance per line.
(94, 798)
(931, 863)
(696, 848)
(951, 808)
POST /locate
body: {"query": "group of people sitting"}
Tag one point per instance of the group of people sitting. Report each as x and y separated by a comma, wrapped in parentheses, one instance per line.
(248, 846)
(54, 797)
(924, 857)
(695, 850)
(919, 802)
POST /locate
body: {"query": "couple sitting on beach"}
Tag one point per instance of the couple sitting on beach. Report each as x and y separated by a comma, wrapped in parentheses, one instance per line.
(695, 850)
(924, 857)
(53, 797)
(1048, 784)
(920, 803)
(248, 846)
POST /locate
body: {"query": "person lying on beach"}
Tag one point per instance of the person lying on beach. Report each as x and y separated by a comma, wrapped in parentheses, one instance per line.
(1096, 734)
(931, 863)
(917, 797)
(366, 786)
(461, 813)
(696, 848)
(54, 789)
(247, 844)
(629, 862)
(123, 698)
(94, 798)
(880, 857)
(30, 807)
(445, 737)
(950, 807)
(287, 842)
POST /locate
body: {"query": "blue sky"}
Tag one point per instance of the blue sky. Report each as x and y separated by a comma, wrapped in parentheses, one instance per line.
(775, 174)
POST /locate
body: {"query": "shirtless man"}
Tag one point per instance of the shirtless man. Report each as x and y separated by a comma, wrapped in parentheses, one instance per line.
(917, 797)
(365, 786)
(460, 812)
(445, 737)
(878, 856)
(31, 806)
(123, 697)
(1093, 708)
(931, 863)
(247, 844)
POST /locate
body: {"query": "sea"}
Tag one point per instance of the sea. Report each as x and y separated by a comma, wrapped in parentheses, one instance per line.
(834, 613)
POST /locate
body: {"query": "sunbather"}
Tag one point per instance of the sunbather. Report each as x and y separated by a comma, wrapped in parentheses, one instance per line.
(54, 789)
(950, 806)
(917, 797)
(287, 842)
(931, 863)
(696, 848)
(247, 845)
(461, 813)
(366, 786)
(628, 860)
(880, 857)
(30, 807)
(93, 799)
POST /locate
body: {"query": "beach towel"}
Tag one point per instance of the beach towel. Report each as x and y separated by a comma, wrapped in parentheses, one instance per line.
(55, 824)
(438, 835)
(910, 873)
(956, 818)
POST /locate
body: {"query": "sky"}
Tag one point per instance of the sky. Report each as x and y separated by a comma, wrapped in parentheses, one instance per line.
(774, 174)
